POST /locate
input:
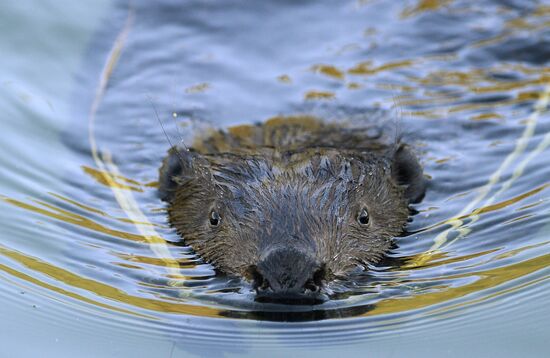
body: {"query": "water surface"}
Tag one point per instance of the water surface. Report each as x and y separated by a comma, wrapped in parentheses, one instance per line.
(90, 267)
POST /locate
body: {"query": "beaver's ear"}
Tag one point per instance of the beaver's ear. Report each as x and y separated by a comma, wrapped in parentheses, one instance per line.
(407, 171)
(177, 168)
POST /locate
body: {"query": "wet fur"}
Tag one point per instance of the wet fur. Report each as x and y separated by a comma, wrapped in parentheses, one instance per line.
(291, 183)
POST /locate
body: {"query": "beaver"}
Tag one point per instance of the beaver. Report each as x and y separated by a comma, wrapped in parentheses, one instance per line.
(293, 203)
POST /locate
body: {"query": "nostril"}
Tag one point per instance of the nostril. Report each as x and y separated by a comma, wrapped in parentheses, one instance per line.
(320, 275)
(311, 286)
(316, 281)
(258, 280)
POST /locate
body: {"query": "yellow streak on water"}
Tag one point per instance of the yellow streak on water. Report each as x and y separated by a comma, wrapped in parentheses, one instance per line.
(487, 279)
(110, 171)
(439, 259)
(470, 210)
(505, 203)
(61, 291)
(542, 10)
(98, 288)
(108, 174)
(100, 176)
(330, 71)
(486, 116)
(424, 6)
(79, 205)
(311, 95)
(366, 68)
(155, 261)
(284, 79)
(483, 209)
(72, 218)
(199, 88)
(97, 211)
(530, 22)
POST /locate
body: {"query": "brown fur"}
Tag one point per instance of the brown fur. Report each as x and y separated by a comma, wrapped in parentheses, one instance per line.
(293, 186)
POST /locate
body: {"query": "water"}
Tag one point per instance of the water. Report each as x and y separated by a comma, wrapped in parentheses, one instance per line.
(80, 278)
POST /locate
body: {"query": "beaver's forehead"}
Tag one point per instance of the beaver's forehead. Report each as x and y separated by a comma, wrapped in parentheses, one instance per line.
(292, 207)
(259, 183)
(291, 198)
(318, 168)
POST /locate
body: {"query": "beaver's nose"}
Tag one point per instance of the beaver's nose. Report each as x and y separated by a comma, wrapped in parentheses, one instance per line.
(288, 274)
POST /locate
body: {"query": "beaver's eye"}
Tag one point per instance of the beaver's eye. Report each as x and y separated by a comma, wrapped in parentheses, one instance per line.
(363, 217)
(215, 218)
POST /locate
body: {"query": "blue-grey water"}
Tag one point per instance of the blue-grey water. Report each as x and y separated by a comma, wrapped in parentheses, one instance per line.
(83, 275)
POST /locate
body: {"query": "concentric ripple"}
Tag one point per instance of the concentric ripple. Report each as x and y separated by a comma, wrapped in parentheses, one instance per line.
(468, 85)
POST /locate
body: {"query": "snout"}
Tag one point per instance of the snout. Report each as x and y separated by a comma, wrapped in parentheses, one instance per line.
(290, 276)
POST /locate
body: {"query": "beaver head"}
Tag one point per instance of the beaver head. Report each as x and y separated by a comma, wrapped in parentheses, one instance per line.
(290, 222)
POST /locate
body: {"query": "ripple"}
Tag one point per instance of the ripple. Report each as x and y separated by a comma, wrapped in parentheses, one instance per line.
(89, 238)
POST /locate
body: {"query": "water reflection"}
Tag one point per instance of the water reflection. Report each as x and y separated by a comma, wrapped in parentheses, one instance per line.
(465, 96)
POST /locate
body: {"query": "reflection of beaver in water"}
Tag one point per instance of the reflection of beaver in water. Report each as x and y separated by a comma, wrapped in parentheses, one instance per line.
(291, 204)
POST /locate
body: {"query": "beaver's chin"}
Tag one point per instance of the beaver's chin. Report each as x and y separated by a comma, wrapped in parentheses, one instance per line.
(307, 297)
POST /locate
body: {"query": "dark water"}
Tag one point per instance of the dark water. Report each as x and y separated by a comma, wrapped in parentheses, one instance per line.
(88, 264)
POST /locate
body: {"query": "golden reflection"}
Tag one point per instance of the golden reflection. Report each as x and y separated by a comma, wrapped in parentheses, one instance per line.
(329, 71)
(109, 175)
(525, 69)
(284, 79)
(72, 218)
(492, 295)
(514, 252)
(367, 68)
(542, 10)
(99, 212)
(535, 21)
(125, 265)
(407, 100)
(508, 86)
(520, 218)
(475, 79)
(426, 114)
(491, 40)
(311, 95)
(486, 279)
(457, 224)
(99, 176)
(473, 215)
(476, 82)
(199, 88)
(397, 87)
(61, 291)
(465, 258)
(100, 289)
(486, 116)
(109, 170)
(440, 259)
(155, 261)
(529, 206)
(529, 96)
(523, 24)
(78, 205)
(506, 203)
(444, 160)
(153, 184)
(424, 6)
(483, 105)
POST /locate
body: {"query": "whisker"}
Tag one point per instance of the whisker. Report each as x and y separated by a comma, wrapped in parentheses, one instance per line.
(164, 131)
